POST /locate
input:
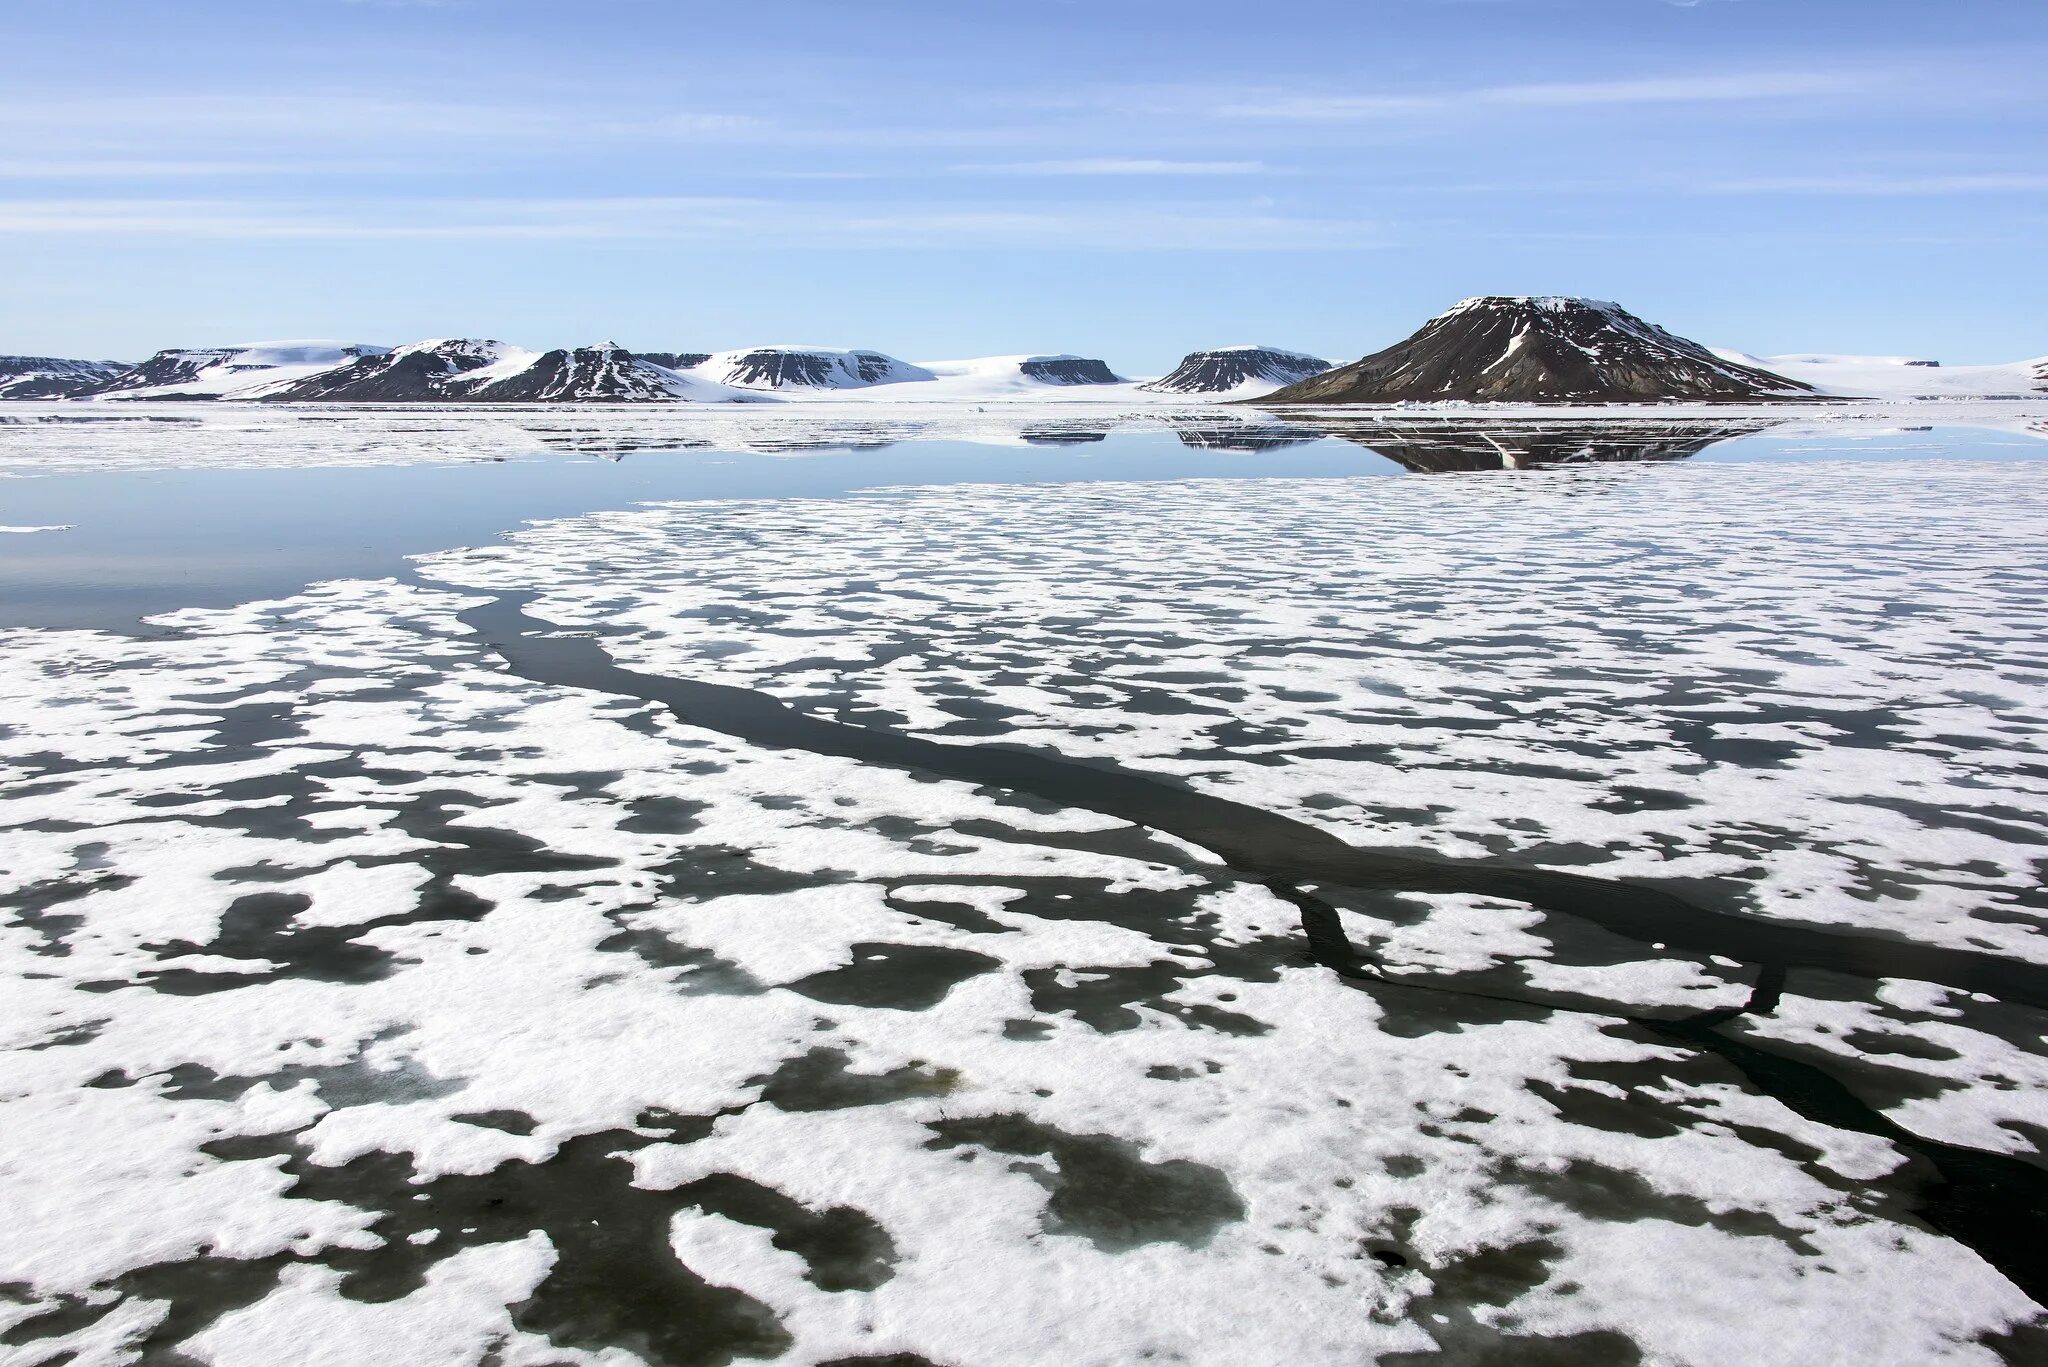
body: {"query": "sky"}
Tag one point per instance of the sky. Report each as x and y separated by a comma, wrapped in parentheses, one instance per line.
(1129, 179)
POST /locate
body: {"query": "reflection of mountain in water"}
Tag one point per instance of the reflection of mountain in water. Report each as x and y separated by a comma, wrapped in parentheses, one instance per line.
(1426, 447)
(1242, 436)
(763, 441)
(1062, 436)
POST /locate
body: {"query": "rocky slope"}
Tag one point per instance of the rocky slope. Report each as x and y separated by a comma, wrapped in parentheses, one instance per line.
(54, 377)
(1237, 370)
(484, 370)
(596, 374)
(1541, 349)
(789, 367)
(424, 372)
(1067, 370)
(230, 372)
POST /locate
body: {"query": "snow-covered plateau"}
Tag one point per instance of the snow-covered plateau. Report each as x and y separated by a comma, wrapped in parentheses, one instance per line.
(1905, 377)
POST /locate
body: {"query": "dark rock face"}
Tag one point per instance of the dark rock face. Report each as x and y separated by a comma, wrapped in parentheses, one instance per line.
(246, 364)
(421, 374)
(774, 369)
(168, 367)
(596, 374)
(1513, 349)
(796, 368)
(1228, 368)
(675, 360)
(1930, 365)
(451, 371)
(1069, 370)
(54, 377)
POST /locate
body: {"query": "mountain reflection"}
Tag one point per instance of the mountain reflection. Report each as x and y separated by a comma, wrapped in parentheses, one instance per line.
(1431, 446)
(1242, 436)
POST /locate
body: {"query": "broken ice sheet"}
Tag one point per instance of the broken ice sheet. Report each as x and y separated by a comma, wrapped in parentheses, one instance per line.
(362, 990)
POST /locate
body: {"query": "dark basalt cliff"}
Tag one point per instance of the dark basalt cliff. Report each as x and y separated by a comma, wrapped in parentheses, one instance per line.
(421, 374)
(797, 368)
(478, 370)
(593, 374)
(1513, 349)
(1227, 368)
(1068, 370)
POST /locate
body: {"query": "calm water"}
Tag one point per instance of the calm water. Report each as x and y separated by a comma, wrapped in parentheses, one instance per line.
(144, 541)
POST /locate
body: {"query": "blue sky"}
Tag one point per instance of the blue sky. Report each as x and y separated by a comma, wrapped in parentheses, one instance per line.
(1125, 178)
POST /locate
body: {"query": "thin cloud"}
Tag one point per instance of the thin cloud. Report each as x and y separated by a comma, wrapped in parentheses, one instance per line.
(88, 168)
(1736, 87)
(730, 222)
(1115, 166)
(1986, 183)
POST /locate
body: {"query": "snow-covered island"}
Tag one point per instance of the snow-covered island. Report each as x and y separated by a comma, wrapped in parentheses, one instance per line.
(1529, 349)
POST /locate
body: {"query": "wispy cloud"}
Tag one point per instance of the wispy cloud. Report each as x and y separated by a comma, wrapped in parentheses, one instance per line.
(732, 222)
(1672, 89)
(102, 168)
(292, 117)
(1984, 183)
(1115, 166)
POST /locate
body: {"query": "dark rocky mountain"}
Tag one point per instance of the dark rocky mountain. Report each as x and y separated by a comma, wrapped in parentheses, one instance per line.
(1067, 370)
(591, 374)
(54, 377)
(780, 367)
(168, 368)
(1541, 349)
(1223, 369)
(481, 370)
(205, 373)
(425, 372)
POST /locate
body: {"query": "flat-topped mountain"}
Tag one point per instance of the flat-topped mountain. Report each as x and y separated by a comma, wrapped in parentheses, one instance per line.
(53, 377)
(1541, 349)
(484, 370)
(433, 371)
(796, 367)
(607, 373)
(1234, 369)
(229, 372)
(1067, 370)
(1497, 348)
